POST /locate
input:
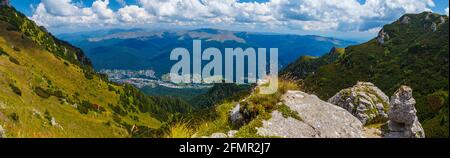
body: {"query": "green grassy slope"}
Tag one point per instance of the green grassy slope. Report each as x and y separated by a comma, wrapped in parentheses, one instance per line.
(48, 89)
(414, 55)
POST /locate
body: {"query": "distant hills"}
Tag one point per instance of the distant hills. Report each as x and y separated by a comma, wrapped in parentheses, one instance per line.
(142, 49)
(411, 51)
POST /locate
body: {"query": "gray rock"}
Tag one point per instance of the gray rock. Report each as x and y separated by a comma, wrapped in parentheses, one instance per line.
(231, 133)
(236, 118)
(405, 20)
(382, 37)
(218, 135)
(364, 101)
(279, 126)
(2, 132)
(327, 120)
(433, 27)
(403, 121)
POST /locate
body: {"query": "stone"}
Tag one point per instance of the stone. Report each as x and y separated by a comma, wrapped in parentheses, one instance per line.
(279, 126)
(365, 101)
(403, 121)
(320, 119)
(382, 37)
(231, 133)
(236, 118)
(405, 20)
(218, 135)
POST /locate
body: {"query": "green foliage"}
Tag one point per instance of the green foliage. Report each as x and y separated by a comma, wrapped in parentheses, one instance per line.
(287, 112)
(87, 106)
(221, 92)
(41, 92)
(2, 52)
(13, 116)
(257, 103)
(134, 100)
(14, 60)
(19, 22)
(15, 89)
(307, 65)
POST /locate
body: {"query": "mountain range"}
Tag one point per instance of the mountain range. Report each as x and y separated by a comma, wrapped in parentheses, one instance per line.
(49, 87)
(137, 49)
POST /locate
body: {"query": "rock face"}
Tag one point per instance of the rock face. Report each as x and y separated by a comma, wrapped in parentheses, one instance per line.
(319, 120)
(364, 101)
(405, 20)
(403, 122)
(382, 37)
(2, 132)
(236, 117)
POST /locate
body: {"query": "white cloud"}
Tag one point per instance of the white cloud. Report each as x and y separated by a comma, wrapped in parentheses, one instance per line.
(318, 15)
(446, 11)
(134, 14)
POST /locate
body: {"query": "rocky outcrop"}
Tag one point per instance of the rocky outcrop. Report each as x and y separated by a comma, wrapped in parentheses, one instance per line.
(319, 120)
(382, 37)
(403, 121)
(2, 132)
(364, 101)
(236, 118)
(405, 20)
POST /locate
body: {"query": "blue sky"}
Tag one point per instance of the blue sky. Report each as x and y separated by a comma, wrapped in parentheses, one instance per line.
(348, 19)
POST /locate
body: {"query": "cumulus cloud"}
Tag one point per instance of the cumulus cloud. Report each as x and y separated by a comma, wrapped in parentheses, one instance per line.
(318, 15)
(446, 11)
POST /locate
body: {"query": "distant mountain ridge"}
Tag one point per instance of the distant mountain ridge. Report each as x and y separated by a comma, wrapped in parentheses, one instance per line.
(144, 49)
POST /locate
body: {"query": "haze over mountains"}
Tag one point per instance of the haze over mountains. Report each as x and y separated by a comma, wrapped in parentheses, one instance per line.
(137, 49)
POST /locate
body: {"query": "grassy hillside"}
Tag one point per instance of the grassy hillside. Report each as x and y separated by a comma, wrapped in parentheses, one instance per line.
(414, 54)
(48, 89)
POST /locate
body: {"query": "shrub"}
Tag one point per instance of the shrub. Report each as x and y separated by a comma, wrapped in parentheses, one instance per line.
(87, 106)
(15, 89)
(13, 116)
(180, 130)
(16, 49)
(14, 60)
(42, 92)
(58, 93)
(2, 52)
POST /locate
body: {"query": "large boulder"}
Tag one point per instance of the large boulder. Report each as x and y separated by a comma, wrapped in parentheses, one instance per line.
(403, 121)
(319, 119)
(364, 101)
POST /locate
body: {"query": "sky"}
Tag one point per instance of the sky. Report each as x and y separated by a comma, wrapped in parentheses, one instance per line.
(345, 19)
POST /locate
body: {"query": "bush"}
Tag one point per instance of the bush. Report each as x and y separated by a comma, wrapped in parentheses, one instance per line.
(2, 52)
(42, 92)
(87, 106)
(58, 93)
(15, 89)
(14, 60)
(16, 49)
(13, 116)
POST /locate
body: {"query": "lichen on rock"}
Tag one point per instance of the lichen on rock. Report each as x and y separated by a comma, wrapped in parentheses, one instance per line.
(364, 101)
